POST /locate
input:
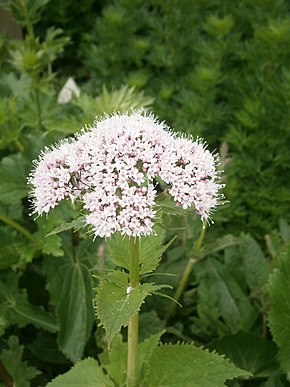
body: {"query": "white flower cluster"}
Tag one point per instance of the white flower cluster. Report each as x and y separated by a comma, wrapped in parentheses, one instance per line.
(112, 167)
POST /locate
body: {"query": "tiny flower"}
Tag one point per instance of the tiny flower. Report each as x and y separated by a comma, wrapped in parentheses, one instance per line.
(112, 169)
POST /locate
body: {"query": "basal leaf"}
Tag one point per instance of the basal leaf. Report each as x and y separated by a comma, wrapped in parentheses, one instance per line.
(70, 285)
(18, 369)
(252, 353)
(86, 373)
(13, 175)
(18, 309)
(189, 366)
(279, 315)
(220, 296)
(115, 306)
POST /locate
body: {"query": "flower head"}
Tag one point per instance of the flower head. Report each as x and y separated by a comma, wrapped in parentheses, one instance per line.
(112, 168)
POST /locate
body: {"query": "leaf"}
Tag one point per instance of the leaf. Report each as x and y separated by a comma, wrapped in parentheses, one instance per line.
(221, 244)
(118, 360)
(151, 250)
(86, 373)
(150, 324)
(145, 351)
(18, 369)
(220, 295)
(284, 230)
(189, 366)
(279, 315)
(168, 206)
(115, 306)
(255, 265)
(13, 175)
(18, 310)
(70, 285)
(75, 224)
(250, 352)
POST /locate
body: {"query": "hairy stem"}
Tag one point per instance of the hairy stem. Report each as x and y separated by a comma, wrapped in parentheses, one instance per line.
(132, 361)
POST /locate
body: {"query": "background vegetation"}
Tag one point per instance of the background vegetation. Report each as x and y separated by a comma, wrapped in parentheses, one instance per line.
(217, 69)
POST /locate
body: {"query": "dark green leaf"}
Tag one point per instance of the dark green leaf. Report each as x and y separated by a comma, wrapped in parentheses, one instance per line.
(75, 224)
(252, 353)
(70, 285)
(18, 369)
(13, 175)
(279, 315)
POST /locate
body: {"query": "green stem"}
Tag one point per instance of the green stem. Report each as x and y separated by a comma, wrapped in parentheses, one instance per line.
(37, 98)
(186, 273)
(28, 23)
(132, 361)
(19, 228)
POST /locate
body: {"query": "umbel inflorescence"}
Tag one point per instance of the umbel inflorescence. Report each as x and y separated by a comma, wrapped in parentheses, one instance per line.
(112, 169)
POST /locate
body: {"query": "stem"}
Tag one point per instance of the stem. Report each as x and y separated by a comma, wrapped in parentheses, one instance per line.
(37, 98)
(188, 268)
(132, 361)
(19, 228)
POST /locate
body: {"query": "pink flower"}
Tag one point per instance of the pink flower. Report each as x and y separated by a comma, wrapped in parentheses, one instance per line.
(112, 168)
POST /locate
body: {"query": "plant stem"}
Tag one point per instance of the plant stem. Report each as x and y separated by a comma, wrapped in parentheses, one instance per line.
(188, 268)
(132, 361)
(19, 228)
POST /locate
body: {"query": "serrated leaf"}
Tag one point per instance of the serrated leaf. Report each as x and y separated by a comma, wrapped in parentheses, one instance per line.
(145, 351)
(86, 373)
(70, 285)
(118, 360)
(13, 175)
(75, 224)
(189, 366)
(168, 206)
(52, 246)
(252, 353)
(256, 265)
(279, 315)
(115, 306)
(151, 250)
(18, 369)
(18, 309)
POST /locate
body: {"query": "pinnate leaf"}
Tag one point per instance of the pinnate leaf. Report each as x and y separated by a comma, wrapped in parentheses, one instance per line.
(86, 373)
(279, 315)
(189, 366)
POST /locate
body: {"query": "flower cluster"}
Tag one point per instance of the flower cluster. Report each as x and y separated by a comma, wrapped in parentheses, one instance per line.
(112, 168)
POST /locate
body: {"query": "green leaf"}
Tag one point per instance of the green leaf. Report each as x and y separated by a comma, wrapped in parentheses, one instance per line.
(118, 360)
(70, 285)
(13, 175)
(75, 224)
(18, 369)
(145, 351)
(189, 366)
(221, 244)
(150, 324)
(168, 206)
(255, 265)
(151, 250)
(115, 306)
(86, 373)
(18, 310)
(220, 296)
(284, 230)
(279, 315)
(250, 352)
